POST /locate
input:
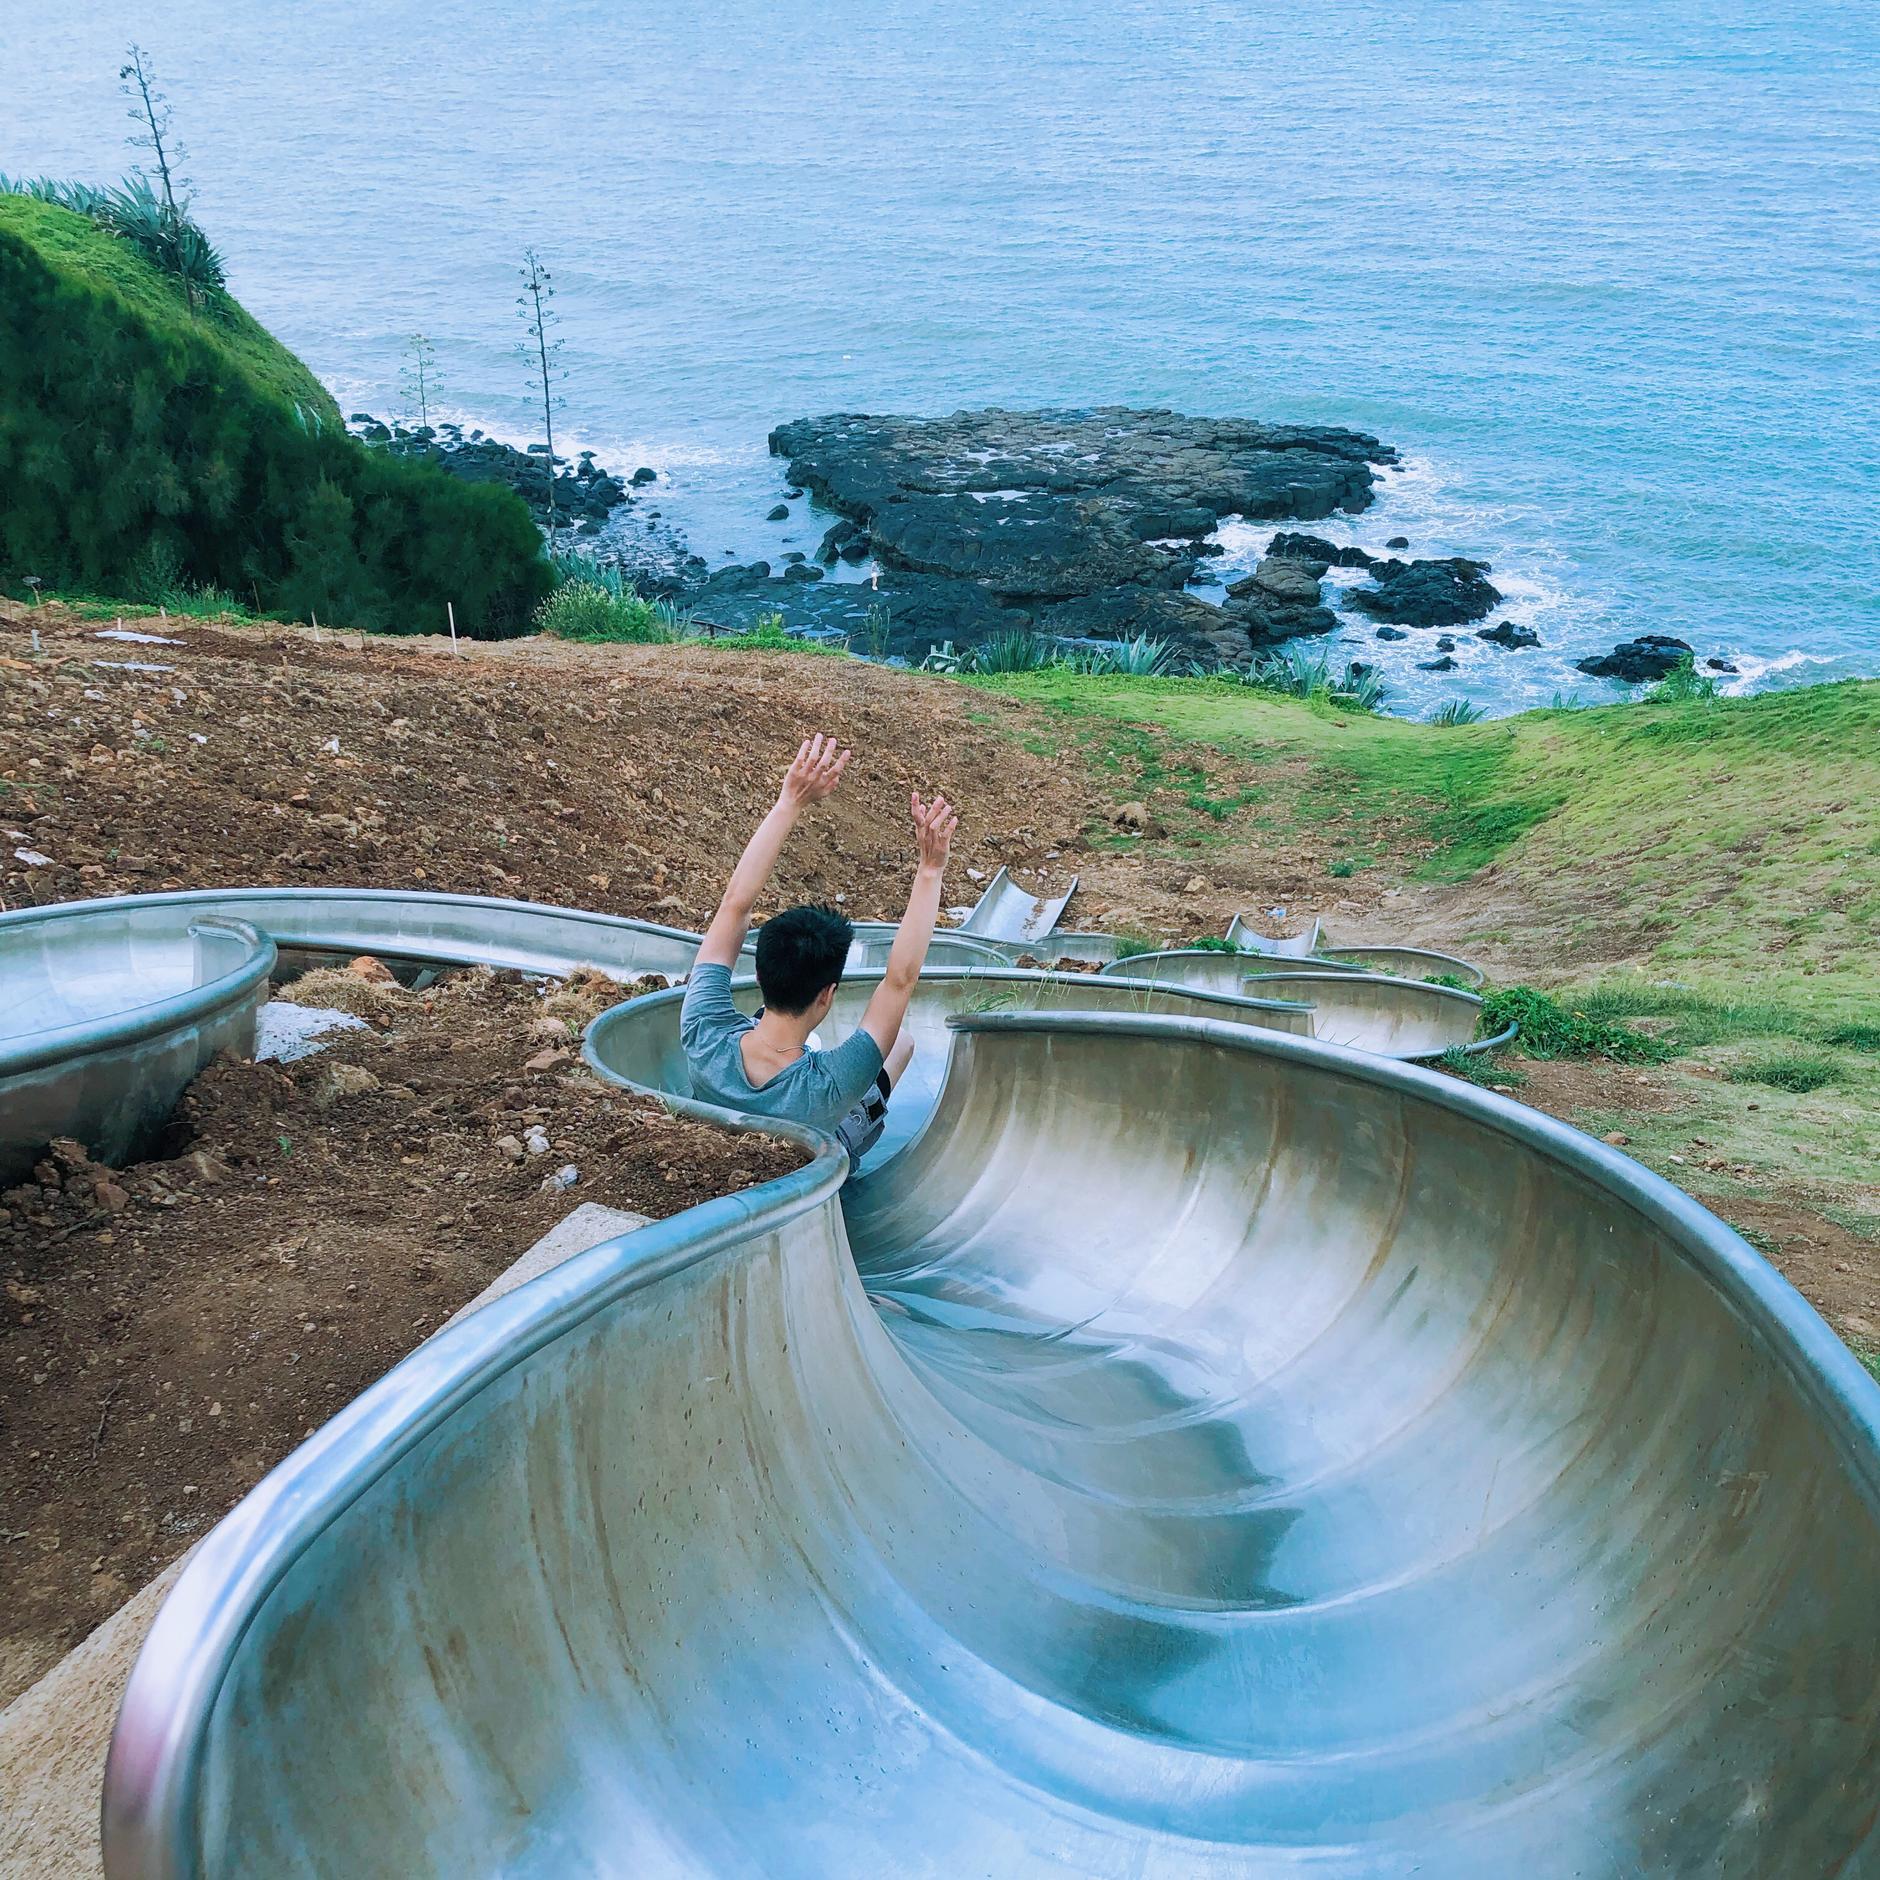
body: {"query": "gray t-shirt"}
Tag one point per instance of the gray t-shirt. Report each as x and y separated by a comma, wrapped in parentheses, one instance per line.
(819, 1088)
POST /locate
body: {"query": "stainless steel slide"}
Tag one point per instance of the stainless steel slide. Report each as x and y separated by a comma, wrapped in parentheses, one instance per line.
(637, 1043)
(1201, 1451)
(1396, 1018)
(107, 1010)
(1005, 911)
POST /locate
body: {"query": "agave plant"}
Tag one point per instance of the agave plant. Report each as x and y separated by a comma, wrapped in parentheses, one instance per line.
(1456, 711)
(1017, 649)
(134, 212)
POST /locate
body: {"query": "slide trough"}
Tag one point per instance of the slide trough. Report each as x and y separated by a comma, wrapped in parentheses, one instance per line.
(1201, 1451)
(1395, 1018)
(637, 1043)
(110, 1009)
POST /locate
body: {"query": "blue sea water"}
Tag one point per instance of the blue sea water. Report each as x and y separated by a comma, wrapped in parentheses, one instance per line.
(1608, 274)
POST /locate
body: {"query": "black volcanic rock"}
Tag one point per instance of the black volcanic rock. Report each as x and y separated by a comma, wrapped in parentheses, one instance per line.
(1651, 656)
(1049, 505)
(780, 514)
(1444, 664)
(1447, 593)
(1398, 541)
(1317, 548)
(1510, 634)
(1392, 633)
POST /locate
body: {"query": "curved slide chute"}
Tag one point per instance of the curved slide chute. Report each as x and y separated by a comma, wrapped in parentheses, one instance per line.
(1201, 1451)
(110, 1009)
(636, 1044)
(1377, 1012)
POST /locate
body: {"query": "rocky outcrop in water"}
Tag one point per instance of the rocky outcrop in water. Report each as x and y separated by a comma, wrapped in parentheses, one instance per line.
(1084, 523)
(1509, 633)
(1650, 657)
(1448, 593)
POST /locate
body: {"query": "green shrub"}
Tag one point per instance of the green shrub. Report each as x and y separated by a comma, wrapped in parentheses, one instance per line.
(137, 441)
(1341, 870)
(1456, 711)
(1796, 1071)
(1551, 1030)
(1130, 946)
(1210, 943)
(578, 611)
(1682, 682)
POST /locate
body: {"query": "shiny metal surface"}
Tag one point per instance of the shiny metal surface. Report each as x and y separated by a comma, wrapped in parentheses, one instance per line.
(874, 939)
(1061, 943)
(1395, 1018)
(1250, 939)
(1403, 963)
(1005, 911)
(108, 1010)
(1225, 1454)
(439, 929)
(637, 1043)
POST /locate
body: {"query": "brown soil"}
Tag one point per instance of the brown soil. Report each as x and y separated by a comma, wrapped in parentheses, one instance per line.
(169, 1332)
(619, 778)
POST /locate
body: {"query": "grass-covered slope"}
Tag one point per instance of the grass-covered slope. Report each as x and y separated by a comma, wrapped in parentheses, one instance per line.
(143, 446)
(1732, 844)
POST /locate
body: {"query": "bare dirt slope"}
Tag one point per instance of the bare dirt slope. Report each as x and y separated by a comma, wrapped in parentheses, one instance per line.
(623, 779)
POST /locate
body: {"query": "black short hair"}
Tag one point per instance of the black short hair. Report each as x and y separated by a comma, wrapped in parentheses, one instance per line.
(799, 952)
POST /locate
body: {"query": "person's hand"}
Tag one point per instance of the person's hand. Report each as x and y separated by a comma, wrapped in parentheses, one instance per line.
(934, 824)
(816, 771)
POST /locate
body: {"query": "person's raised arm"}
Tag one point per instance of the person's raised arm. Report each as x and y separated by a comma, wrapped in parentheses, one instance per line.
(934, 824)
(816, 771)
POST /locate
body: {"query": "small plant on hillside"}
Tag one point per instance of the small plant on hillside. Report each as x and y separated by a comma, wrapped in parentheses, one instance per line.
(1456, 711)
(1130, 946)
(1856, 1037)
(1681, 683)
(536, 306)
(157, 220)
(767, 634)
(572, 566)
(1551, 1030)
(579, 611)
(1294, 671)
(1474, 1068)
(1142, 658)
(1015, 649)
(1342, 869)
(136, 216)
(1210, 943)
(418, 379)
(1453, 981)
(877, 631)
(1795, 1071)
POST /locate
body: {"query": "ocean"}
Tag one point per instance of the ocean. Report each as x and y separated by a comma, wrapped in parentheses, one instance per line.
(1607, 275)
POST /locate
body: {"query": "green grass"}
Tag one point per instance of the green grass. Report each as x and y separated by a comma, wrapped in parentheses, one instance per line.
(768, 636)
(1549, 1029)
(78, 249)
(1477, 1067)
(1794, 1071)
(1723, 842)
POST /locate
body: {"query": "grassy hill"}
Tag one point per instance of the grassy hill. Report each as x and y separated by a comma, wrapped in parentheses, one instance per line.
(148, 450)
(1731, 844)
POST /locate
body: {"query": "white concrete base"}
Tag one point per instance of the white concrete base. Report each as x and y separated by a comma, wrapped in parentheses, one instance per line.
(53, 1736)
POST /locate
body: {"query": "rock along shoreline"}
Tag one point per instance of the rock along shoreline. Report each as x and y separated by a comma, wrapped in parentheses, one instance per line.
(1079, 524)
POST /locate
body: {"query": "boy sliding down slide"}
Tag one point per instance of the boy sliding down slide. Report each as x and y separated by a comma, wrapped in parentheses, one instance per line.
(764, 1064)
